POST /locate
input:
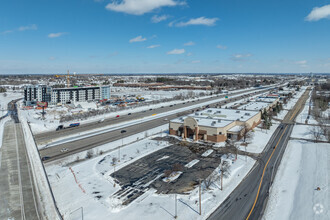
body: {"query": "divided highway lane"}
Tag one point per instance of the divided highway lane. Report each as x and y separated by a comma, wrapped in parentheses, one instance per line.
(90, 142)
(250, 197)
(45, 137)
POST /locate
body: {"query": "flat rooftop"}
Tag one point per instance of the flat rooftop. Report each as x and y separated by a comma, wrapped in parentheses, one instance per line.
(256, 106)
(218, 117)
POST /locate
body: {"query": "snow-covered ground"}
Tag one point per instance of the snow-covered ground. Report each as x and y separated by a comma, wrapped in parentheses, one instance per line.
(127, 123)
(260, 137)
(79, 185)
(2, 125)
(52, 117)
(305, 167)
(4, 100)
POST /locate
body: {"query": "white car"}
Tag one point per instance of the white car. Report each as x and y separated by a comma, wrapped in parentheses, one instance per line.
(64, 150)
(165, 119)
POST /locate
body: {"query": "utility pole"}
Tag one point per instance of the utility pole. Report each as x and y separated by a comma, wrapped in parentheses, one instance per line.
(200, 198)
(176, 208)
(122, 143)
(221, 175)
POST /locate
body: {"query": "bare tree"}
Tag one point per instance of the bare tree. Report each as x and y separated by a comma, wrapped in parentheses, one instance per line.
(213, 177)
(245, 132)
(89, 154)
(225, 172)
(316, 133)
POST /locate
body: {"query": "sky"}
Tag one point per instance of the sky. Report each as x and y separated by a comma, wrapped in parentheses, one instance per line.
(164, 36)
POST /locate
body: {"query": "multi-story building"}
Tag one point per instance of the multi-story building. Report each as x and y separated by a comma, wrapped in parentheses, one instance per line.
(33, 94)
(38, 93)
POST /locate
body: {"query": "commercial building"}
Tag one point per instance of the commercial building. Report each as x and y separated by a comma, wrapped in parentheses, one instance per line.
(214, 124)
(54, 96)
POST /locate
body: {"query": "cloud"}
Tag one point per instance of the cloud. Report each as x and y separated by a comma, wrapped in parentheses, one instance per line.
(52, 58)
(22, 28)
(138, 39)
(241, 57)
(153, 46)
(195, 61)
(29, 27)
(55, 35)
(195, 21)
(140, 7)
(190, 43)
(189, 54)
(222, 47)
(159, 18)
(319, 13)
(176, 51)
(301, 62)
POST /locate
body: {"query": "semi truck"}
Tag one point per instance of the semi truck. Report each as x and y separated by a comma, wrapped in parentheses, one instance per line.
(60, 127)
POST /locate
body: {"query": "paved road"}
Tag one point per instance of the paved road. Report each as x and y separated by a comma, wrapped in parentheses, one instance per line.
(97, 140)
(17, 195)
(249, 199)
(46, 137)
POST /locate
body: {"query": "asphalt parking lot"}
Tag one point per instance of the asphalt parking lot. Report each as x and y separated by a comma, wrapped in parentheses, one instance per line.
(148, 172)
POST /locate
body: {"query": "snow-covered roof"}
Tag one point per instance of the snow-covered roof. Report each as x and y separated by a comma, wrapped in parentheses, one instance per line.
(218, 117)
(266, 99)
(235, 129)
(254, 106)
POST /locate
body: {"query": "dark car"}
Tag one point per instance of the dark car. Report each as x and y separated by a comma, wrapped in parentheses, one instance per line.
(45, 158)
(129, 113)
(60, 127)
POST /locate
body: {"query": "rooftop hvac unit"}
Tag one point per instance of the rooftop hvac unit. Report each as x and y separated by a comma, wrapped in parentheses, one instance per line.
(196, 113)
(237, 111)
(218, 111)
(219, 120)
(247, 114)
(209, 110)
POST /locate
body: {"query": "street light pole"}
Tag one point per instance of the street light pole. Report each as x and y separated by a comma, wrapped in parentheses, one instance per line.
(176, 208)
(122, 143)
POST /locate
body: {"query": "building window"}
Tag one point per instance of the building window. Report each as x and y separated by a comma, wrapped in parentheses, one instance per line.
(220, 133)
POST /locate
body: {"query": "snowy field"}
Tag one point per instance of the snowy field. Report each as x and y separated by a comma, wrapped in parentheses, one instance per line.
(91, 186)
(305, 167)
(151, 95)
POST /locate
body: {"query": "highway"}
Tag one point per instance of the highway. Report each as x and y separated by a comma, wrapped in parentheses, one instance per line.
(90, 142)
(249, 199)
(46, 137)
(17, 189)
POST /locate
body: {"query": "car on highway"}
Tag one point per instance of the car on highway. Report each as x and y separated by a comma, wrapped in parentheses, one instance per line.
(117, 116)
(171, 105)
(45, 158)
(165, 119)
(101, 120)
(64, 150)
(60, 127)
(162, 107)
(150, 109)
(129, 113)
